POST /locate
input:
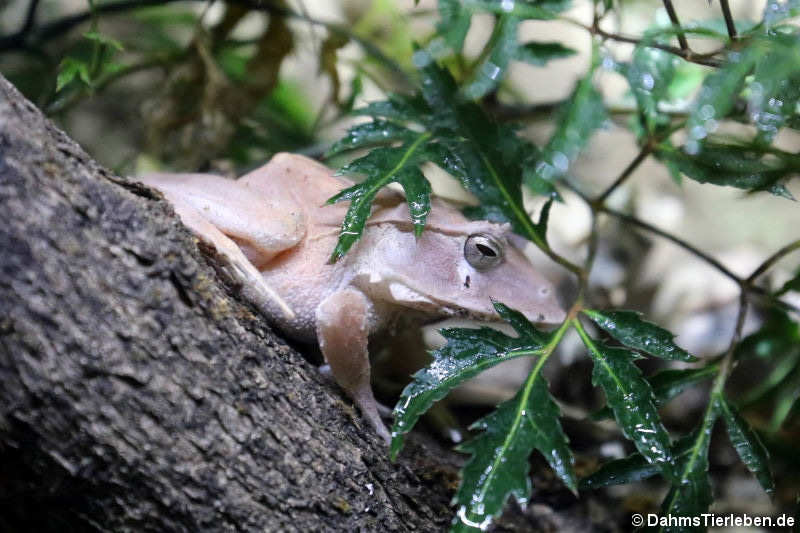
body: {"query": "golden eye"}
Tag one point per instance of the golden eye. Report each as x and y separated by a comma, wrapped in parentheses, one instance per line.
(483, 251)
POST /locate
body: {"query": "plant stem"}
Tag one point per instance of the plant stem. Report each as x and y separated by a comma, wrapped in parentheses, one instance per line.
(774, 258)
(638, 160)
(673, 16)
(726, 12)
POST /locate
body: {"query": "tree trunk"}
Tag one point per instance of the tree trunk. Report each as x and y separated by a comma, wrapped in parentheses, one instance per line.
(137, 392)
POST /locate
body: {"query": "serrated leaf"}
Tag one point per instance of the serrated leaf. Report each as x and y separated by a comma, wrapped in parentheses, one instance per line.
(501, 49)
(70, 69)
(631, 399)
(632, 468)
(690, 494)
(743, 167)
(467, 352)
(748, 445)
(537, 53)
(374, 133)
(580, 117)
(667, 384)
(499, 465)
(649, 75)
(399, 108)
(629, 329)
(383, 166)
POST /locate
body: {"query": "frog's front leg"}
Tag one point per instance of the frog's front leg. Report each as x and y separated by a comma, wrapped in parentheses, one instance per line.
(342, 332)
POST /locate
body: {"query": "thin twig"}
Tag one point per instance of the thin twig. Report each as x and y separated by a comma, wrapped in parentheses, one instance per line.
(701, 59)
(726, 12)
(673, 16)
(645, 151)
(774, 258)
(677, 240)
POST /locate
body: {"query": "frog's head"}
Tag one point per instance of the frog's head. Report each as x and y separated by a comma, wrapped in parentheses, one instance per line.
(457, 267)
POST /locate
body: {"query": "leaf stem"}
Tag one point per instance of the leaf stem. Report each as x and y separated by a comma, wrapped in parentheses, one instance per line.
(673, 16)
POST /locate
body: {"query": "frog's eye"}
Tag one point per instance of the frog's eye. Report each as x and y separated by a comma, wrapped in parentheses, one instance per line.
(483, 251)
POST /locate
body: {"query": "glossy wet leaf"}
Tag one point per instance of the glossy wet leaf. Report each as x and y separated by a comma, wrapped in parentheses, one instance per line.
(539, 53)
(397, 107)
(373, 133)
(777, 11)
(632, 468)
(649, 75)
(631, 399)
(744, 167)
(468, 351)
(748, 445)
(580, 117)
(774, 91)
(669, 383)
(502, 49)
(499, 467)
(717, 96)
(690, 494)
(631, 330)
(381, 167)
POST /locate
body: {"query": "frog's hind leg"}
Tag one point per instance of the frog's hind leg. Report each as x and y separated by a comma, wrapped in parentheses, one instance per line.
(212, 224)
(342, 331)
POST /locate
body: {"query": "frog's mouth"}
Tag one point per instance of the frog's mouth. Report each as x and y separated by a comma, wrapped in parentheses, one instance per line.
(402, 294)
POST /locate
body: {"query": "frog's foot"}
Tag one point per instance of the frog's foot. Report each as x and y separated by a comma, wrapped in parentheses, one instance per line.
(342, 330)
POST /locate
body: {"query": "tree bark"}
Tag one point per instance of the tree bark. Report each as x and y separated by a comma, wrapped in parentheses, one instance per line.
(138, 392)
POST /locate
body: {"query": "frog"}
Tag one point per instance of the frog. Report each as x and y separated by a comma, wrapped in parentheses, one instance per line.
(277, 229)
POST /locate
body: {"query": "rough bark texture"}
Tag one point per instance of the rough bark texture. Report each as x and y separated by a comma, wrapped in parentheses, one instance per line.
(138, 393)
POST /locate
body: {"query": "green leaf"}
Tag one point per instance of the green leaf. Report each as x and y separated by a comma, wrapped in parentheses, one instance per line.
(543, 10)
(631, 399)
(632, 468)
(103, 39)
(718, 95)
(669, 383)
(373, 133)
(499, 466)
(774, 90)
(467, 352)
(779, 335)
(791, 285)
(749, 447)
(690, 494)
(582, 115)
(383, 166)
(649, 76)
(777, 11)
(539, 54)
(398, 108)
(501, 49)
(743, 167)
(454, 23)
(69, 69)
(629, 329)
